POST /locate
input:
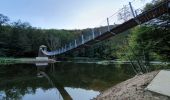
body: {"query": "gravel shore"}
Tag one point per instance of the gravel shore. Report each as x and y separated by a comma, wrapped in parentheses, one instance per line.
(132, 89)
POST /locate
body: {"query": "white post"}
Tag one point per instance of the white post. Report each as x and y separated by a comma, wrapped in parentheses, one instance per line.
(75, 43)
(136, 13)
(92, 33)
(131, 8)
(82, 37)
(100, 30)
(108, 26)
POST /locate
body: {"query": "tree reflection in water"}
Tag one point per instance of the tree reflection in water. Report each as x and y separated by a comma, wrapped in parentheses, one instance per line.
(21, 79)
(60, 89)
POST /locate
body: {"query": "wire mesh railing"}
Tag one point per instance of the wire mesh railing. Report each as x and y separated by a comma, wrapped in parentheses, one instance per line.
(127, 12)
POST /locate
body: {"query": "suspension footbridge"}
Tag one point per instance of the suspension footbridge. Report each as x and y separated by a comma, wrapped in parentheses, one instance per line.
(128, 16)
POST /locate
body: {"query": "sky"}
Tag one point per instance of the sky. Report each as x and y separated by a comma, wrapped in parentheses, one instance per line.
(60, 14)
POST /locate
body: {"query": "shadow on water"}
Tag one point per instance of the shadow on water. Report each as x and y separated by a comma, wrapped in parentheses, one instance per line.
(64, 80)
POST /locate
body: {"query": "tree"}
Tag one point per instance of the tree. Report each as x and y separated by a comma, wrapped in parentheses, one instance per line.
(3, 19)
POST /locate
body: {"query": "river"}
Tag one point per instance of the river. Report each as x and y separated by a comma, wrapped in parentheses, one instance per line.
(59, 81)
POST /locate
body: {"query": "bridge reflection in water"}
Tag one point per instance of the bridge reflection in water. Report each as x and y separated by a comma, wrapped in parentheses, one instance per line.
(59, 89)
(60, 81)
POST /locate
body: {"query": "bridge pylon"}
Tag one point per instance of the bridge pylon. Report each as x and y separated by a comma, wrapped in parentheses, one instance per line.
(42, 48)
(41, 56)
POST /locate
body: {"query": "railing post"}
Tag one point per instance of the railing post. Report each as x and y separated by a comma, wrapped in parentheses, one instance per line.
(100, 30)
(92, 33)
(131, 8)
(136, 13)
(82, 37)
(108, 26)
(75, 42)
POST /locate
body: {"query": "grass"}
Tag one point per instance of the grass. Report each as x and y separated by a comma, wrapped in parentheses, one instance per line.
(8, 60)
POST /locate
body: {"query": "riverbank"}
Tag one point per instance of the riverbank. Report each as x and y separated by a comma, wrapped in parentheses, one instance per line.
(24, 60)
(132, 89)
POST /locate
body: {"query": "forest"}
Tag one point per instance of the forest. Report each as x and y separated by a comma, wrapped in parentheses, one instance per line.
(149, 41)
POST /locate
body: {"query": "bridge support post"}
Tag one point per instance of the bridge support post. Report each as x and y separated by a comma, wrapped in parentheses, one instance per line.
(108, 26)
(82, 37)
(75, 43)
(41, 56)
(131, 8)
(92, 33)
(100, 33)
(42, 48)
(134, 13)
(100, 30)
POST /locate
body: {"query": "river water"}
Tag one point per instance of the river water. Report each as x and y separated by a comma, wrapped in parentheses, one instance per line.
(59, 81)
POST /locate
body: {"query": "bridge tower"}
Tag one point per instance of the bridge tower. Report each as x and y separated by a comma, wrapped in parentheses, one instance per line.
(41, 56)
(40, 53)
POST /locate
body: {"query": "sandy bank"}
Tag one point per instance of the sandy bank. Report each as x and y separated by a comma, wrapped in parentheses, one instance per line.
(132, 89)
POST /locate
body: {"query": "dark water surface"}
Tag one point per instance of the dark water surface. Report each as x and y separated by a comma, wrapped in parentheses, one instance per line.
(59, 81)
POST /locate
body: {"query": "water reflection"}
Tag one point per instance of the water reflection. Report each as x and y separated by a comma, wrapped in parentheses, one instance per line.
(59, 81)
(61, 91)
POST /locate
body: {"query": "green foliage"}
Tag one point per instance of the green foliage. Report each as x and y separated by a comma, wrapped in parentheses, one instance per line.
(151, 40)
(4, 61)
(147, 42)
(3, 19)
(20, 39)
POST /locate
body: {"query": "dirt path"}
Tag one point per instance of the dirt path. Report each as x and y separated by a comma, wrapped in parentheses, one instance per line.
(132, 89)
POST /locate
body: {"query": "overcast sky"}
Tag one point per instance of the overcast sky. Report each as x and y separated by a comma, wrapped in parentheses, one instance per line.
(60, 14)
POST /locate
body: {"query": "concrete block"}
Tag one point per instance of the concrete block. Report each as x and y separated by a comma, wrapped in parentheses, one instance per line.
(41, 59)
(161, 83)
